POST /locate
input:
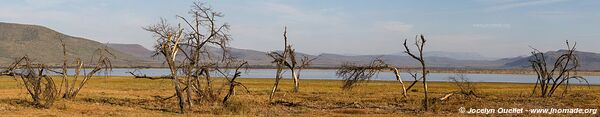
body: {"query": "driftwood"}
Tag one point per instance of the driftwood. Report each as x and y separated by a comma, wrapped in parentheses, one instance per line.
(144, 76)
(446, 97)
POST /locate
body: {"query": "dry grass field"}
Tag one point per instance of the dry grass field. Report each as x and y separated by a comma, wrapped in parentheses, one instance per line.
(126, 96)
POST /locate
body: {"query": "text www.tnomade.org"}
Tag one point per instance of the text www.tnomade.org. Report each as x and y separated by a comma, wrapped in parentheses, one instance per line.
(531, 111)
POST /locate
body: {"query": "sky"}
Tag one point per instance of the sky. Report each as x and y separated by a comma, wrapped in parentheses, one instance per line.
(493, 28)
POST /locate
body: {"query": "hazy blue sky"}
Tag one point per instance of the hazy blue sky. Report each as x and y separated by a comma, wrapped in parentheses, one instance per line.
(495, 28)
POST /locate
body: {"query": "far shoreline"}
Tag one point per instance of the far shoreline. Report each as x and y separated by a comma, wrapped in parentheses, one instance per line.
(432, 70)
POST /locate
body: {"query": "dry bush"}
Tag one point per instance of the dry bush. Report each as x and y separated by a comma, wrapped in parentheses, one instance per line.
(73, 86)
(353, 74)
(40, 86)
(550, 78)
(465, 86)
(231, 83)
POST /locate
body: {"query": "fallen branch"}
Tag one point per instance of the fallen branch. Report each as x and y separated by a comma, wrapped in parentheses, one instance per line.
(149, 77)
(447, 96)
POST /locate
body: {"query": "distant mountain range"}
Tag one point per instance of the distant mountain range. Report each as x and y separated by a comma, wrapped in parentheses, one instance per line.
(258, 58)
(43, 45)
(453, 55)
(587, 60)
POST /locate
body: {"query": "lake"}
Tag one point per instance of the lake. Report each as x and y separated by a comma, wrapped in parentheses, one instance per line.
(330, 75)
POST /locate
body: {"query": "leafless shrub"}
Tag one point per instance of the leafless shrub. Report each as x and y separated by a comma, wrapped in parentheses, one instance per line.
(465, 86)
(40, 86)
(353, 74)
(304, 63)
(71, 88)
(550, 78)
(231, 81)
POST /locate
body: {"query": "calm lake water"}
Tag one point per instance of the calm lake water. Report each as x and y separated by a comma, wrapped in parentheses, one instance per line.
(330, 75)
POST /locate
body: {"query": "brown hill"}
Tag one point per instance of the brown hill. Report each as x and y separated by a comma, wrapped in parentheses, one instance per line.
(43, 45)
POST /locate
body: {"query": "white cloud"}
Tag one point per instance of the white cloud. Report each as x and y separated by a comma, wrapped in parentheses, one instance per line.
(395, 26)
(520, 4)
(282, 8)
(290, 15)
(45, 3)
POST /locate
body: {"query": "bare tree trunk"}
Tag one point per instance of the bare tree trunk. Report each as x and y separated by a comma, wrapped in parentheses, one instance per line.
(275, 86)
(296, 81)
(178, 90)
(413, 84)
(229, 93)
(397, 73)
(64, 70)
(424, 71)
(189, 93)
(208, 86)
(280, 60)
(69, 92)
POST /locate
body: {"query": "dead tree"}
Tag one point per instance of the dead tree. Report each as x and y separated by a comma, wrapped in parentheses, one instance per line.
(64, 68)
(279, 60)
(192, 42)
(292, 64)
(304, 63)
(420, 44)
(168, 40)
(203, 31)
(550, 78)
(71, 88)
(287, 59)
(40, 87)
(353, 74)
(103, 63)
